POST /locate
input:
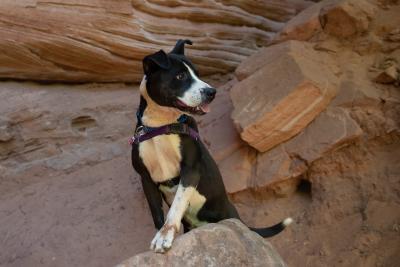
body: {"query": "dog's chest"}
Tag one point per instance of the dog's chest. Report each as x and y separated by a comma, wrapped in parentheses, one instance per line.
(162, 156)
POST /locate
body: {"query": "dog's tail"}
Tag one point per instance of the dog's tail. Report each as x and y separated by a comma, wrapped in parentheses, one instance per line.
(273, 230)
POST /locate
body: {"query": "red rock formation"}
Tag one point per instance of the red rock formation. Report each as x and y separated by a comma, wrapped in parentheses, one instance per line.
(91, 40)
(65, 194)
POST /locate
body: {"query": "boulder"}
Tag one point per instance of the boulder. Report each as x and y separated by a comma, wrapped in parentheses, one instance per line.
(228, 243)
(217, 129)
(237, 169)
(277, 167)
(282, 89)
(328, 131)
(106, 40)
(387, 71)
(303, 26)
(346, 18)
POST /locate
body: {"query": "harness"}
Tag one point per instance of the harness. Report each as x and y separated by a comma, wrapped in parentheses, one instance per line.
(143, 133)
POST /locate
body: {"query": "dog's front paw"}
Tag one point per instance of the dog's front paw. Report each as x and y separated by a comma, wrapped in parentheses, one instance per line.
(163, 239)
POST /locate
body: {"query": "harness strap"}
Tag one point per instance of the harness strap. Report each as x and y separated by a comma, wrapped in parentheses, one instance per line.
(171, 182)
(144, 133)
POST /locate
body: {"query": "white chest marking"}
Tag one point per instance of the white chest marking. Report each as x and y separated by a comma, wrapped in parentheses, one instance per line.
(162, 156)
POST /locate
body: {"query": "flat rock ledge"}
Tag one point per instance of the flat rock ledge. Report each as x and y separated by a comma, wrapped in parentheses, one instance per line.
(228, 243)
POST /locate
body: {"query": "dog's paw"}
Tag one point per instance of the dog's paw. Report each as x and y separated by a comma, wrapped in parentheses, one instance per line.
(163, 239)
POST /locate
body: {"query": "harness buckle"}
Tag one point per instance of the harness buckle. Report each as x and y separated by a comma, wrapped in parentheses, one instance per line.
(141, 130)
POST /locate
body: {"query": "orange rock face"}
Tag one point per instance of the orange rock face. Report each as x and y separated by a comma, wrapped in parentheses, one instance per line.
(92, 40)
(69, 195)
(283, 94)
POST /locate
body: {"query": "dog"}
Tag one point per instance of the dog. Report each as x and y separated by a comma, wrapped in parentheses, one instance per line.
(174, 165)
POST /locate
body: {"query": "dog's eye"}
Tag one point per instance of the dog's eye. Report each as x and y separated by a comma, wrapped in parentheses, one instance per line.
(181, 76)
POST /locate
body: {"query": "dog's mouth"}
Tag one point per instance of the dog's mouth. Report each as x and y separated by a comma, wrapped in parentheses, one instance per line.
(201, 109)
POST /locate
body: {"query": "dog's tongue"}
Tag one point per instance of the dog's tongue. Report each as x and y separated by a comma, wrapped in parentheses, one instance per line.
(205, 108)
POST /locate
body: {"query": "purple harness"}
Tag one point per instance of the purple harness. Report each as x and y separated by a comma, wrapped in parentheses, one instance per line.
(144, 133)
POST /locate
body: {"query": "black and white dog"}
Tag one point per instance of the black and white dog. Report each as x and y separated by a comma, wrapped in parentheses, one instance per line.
(173, 163)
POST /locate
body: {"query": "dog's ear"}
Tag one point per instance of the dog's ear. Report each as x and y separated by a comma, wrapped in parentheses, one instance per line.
(180, 46)
(155, 61)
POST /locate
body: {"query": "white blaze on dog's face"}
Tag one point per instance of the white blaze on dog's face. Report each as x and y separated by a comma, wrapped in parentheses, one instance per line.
(193, 96)
(172, 81)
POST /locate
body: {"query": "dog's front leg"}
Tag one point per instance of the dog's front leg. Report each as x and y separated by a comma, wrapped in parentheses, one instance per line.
(165, 236)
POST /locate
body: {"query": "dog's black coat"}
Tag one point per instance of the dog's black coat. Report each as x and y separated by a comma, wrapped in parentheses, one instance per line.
(197, 167)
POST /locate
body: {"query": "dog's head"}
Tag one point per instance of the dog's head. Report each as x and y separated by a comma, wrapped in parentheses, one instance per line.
(172, 81)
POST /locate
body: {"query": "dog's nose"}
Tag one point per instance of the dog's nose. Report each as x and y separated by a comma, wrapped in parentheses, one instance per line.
(210, 93)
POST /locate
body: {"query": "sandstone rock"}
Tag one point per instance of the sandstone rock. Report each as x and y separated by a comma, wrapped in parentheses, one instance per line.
(235, 159)
(393, 36)
(346, 18)
(368, 44)
(284, 94)
(228, 243)
(106, 40)
(276, 166)
(303, 26)
(237, 169)
(332, 129)
(217, 129)
(388, 76)
(43, 125)
(94, 217)
(328, 131)
(387, 72)
(5, 132)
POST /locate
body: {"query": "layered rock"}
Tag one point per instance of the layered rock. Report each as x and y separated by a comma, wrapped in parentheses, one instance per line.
(260, 89)
(65, 194)
(339, 18)
(284, 88)
(228, 243)
(291, 159)
(61, 128)
(81, 41)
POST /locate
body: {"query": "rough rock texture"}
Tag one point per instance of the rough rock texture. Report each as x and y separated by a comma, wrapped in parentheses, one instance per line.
(303, 26)
(346, 208)
(346, 18)
(91, 40)
(279, 97)
(228, 243)
(65, 195)
(333, 128)
(338, 177)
